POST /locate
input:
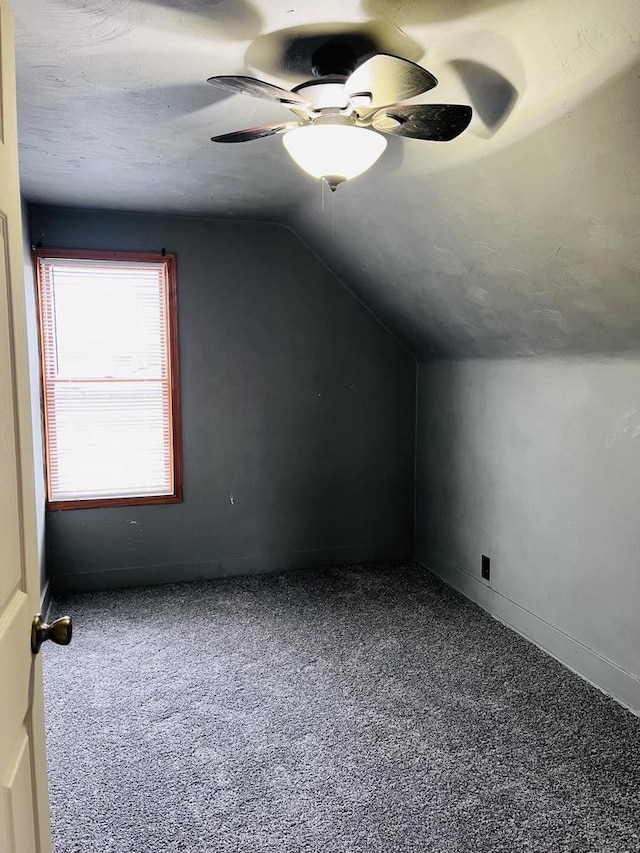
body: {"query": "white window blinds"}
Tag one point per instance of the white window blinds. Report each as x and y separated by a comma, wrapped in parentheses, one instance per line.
(107, 379)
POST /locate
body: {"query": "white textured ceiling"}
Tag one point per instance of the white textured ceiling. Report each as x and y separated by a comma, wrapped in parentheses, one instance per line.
(521, 237)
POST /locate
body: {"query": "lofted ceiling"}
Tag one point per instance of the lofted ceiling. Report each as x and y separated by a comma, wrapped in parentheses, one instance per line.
(521, 237)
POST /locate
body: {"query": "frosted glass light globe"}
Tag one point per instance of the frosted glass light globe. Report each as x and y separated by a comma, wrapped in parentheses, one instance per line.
(334, 150)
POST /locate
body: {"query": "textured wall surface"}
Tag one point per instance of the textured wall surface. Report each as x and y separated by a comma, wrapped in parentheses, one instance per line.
(531, 250)
(520, 237)
(535, 464)
(298, 415)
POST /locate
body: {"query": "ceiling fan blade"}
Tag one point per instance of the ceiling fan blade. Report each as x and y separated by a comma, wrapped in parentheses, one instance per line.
(256, 132)
(388, 78)
(259, 89)
(435, 122)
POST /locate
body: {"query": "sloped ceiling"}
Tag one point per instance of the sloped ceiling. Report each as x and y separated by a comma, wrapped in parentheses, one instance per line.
(521, 237)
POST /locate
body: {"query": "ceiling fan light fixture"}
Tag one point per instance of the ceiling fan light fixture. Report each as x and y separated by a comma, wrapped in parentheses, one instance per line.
(334, 151)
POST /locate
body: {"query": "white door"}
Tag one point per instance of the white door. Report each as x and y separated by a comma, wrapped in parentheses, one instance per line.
(24, 811)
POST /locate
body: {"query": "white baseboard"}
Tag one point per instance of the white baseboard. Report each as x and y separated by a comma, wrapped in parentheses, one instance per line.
(602, 673)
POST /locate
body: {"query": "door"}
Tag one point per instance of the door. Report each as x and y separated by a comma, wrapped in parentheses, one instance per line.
(24, 814)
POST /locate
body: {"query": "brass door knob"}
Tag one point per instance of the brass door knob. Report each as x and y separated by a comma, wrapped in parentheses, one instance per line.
(59, 632)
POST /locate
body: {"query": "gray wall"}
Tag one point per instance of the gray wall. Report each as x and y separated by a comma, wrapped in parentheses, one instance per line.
(296, 401)
(536, 464)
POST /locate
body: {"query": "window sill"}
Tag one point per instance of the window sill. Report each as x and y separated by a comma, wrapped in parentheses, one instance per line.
(103, 503)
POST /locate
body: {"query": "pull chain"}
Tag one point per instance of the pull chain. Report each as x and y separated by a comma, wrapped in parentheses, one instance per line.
(333, 214)
(323, 205)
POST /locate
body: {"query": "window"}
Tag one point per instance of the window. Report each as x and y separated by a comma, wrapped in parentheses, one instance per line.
(108, 330)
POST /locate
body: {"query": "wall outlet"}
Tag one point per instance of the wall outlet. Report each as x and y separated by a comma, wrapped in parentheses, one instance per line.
(486, 568)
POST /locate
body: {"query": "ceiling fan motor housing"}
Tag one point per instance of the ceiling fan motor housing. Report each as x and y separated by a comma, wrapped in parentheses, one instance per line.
(325, 94)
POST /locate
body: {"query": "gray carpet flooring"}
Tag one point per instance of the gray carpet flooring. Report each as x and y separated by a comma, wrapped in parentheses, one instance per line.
(352, 710)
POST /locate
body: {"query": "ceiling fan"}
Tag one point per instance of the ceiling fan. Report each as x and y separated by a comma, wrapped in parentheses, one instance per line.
(342, 112)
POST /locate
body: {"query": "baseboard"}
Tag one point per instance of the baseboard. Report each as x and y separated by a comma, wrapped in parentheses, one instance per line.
(45, 600)
(225, 567)
(602, 673)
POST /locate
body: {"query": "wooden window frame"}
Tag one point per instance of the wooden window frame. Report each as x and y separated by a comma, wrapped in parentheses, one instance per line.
(170, 263)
